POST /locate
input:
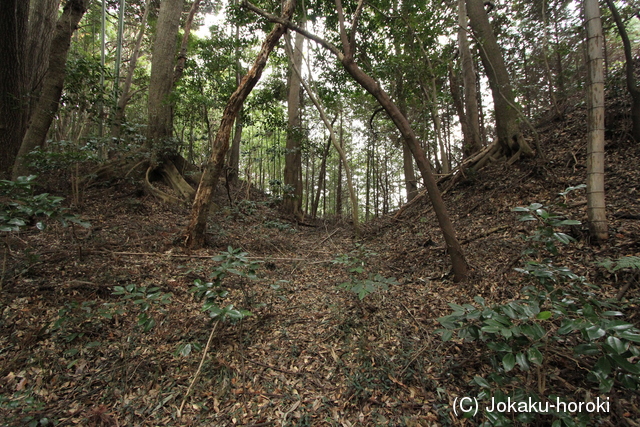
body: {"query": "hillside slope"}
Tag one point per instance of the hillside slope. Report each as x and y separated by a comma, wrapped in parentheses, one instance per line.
(312, 353)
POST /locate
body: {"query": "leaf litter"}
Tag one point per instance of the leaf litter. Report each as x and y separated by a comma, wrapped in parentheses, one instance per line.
(72, 353)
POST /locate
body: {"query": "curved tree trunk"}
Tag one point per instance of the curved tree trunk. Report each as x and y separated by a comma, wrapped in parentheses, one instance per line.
(454, 249)
(511, 142)
(48, 104)
(195, 232)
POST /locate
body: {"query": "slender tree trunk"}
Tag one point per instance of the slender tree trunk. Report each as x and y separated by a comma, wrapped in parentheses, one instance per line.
(454, 249)
(195, 232)
(410, 182)
(48, 102)
(233, 174)
(124, 96)
(632, 85)
(596, 207)
(469, 79)
(340, 149)
(510, 139)
(293, 154)
(322, 175)
(162, 73)
(182, 56)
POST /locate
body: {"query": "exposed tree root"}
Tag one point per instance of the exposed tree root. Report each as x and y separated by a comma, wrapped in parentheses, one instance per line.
(167, 198)
(124, 167)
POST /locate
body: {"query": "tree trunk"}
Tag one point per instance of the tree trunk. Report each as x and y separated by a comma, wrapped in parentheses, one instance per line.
(596, 208)
(321, 175)
(459, 264)
(195, 232)
(632, 86)
(454, 249)
(293, 154)
(511, 142)
(469, 79)
(13, 84)
(48, 102)
(182, 56)
(162, 72)
(124, 96)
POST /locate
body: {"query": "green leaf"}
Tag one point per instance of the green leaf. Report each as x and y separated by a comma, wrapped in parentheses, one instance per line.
(544, 315)
(616, 344)
(508, 362)
(588, 349)
(626, 365)
(481, 382)
(521, 359)
(446, 335)
(594, 332)
(535, 356)
(630, 336)
(499, 346)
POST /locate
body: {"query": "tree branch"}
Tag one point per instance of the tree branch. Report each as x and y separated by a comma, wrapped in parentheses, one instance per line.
(290, 25)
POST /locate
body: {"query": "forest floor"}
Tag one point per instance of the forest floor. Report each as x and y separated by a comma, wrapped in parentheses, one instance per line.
(311, 353)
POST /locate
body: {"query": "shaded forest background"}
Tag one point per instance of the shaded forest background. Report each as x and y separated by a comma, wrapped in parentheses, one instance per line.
(325, 287)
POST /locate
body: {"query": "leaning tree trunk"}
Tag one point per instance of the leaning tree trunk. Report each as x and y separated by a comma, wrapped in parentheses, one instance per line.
(596, 208)
(195, 232)
(454, 249)
(632, 86)
(511, 143)
(459, 264)
(48, 104)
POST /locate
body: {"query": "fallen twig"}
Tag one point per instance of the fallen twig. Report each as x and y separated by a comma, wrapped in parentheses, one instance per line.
(195, 377)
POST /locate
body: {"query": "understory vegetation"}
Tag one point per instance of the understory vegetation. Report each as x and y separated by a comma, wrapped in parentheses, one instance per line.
(319, 213)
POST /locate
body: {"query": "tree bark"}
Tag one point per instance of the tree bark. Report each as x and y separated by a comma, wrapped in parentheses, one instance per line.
(459, 264)
(596, 207)
(162, 73)
(124, 96)
(469, 84)
(48, 102)
(182, 56)
(13, 32)
(293, 155)
(632, 85)
(195, 232)
(511, 142)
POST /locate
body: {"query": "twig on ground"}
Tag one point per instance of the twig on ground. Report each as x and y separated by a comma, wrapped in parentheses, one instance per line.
(195, 377)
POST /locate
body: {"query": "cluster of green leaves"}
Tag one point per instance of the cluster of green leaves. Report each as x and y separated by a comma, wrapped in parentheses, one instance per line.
(627, 262)
(19, 206)
(559, 314)
(61, 155)
(232, 262)
(279, 226)
(546, 235)
(361, 282)
(145, 299)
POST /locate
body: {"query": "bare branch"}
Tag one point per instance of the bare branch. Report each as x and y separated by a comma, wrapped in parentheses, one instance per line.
(273, 18)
